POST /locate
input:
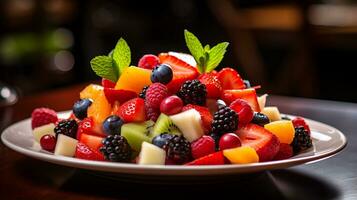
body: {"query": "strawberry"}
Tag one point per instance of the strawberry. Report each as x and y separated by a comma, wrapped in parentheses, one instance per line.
(93, 142)
(230, 79)
(206, 116)
(228, 96)
(84, 152)
(87, 126)
(216, 158)
(203, 146)
(43, 116)
(285, 152)
(299, 121)
(182, 71)
(122, 96)
(108, 83)
(133, 110)
(213, 85)
(244, 111)
(148, 61)
(263, 141)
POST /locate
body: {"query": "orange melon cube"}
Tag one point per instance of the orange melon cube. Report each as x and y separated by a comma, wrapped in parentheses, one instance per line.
(92, 91)
(241, 155)
(100, 108)
(283, 129)
(134, 79)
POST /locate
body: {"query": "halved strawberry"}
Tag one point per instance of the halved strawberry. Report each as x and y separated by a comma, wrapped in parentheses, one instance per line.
(285, 152)
(249, 95)
(84, 152)
(93, 142)
(88, 126)
(108, 83)
(213, 85)
(122, 96)
(216, 158)
(263, 141)
(230, 79)
(206, 116)
(181, 71)
(133, 110)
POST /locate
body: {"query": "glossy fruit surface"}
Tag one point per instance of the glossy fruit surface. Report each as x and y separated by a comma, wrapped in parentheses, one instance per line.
(48, 142)
(171, 105)
(161, 74)
(229, 141)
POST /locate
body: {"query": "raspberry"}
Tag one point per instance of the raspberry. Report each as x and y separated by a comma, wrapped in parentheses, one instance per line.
(148, 61)
(155, 94)
(203, 146)
(152, 113)
(299, 121)
(43, 116)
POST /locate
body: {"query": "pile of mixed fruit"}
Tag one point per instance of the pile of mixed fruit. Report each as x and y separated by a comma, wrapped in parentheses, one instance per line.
(172, 109)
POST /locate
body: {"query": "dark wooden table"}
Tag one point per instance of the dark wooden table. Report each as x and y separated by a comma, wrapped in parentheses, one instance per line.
(22, 177)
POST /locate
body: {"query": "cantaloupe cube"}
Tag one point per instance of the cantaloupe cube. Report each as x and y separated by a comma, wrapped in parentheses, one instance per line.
(283, 129)
(241, 155)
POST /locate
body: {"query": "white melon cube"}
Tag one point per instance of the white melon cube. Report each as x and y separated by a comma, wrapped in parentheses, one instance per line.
(262, 101)
(190, 124)
(43, 130)
(151, 155)
(272, 113)
(65, 146)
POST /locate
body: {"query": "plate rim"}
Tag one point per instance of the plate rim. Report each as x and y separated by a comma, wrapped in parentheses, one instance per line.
(131, 168)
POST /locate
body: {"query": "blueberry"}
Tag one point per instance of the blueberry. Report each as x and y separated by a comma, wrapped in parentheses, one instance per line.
(260, 119)
(247, 84)
(80, 108)
(160, 140)
(112, 125)
(161, 74)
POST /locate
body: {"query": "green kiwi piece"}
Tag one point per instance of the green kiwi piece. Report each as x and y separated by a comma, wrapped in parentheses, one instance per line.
(164, 125)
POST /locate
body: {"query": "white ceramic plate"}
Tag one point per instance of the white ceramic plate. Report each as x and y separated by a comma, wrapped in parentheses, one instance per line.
(327, 141)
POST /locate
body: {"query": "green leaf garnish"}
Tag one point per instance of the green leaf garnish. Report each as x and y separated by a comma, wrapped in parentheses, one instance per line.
(121, 55)
(207, 58)
(103, 67)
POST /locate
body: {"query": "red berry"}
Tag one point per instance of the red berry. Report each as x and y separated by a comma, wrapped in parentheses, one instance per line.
(213, 85)
(244, 111)
(155, 94)
(228, 141)
(152, 113)
(133, 110)
(148, 61)
(299, 121)
(108, 83)
(171, 105)
(43, 116)
(85, 152)
(203, 146)
(48, 142)
(230, 79)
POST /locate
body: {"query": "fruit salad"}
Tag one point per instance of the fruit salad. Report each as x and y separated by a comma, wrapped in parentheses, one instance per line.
(171, 109)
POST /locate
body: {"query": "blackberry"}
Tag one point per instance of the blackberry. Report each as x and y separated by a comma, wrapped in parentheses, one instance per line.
(67, 127)
(178, 149)
(225, 120)
(216, 138)
(116, 148)
(193, 92)
(143, 92)
(301, 140)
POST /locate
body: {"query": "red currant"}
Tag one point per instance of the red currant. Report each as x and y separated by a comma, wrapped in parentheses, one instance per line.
(48, 142)
(244, 111)
(171, 105)
(148, 61)
(228, 141)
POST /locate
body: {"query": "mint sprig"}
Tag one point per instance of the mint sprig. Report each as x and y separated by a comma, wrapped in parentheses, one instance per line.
(121, 55)
(103, 67)
(111, 66)
(207, 58)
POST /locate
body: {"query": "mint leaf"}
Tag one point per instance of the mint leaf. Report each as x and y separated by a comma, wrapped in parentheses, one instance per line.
(216, 55)
(103, 67)
(195, 47)
(121, 55)
(207, 48)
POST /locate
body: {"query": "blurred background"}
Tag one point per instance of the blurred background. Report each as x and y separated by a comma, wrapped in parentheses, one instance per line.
(297, 48)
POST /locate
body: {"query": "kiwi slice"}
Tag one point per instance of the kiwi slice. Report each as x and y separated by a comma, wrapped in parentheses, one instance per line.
(164, 125)
(135, 134)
